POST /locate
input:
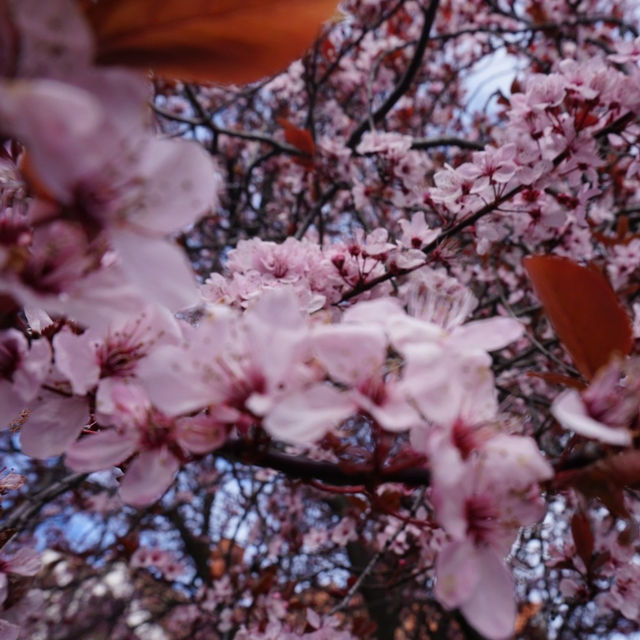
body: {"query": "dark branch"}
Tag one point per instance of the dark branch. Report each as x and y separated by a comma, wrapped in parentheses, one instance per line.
(430, 143)
(405, 82)
(327, 472)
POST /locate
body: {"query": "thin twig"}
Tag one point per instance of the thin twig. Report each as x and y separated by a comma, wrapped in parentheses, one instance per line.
(406, 80)
(374, 560)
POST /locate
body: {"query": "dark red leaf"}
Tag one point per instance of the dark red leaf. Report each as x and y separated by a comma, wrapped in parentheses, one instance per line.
(583, 309)
(219, 40)
(300, 139)
(582, 537)
(558, 378)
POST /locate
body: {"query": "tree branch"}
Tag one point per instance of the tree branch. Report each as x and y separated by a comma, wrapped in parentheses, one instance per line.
(328, 472)
(20, 517)
(406, 80)
(429, 143)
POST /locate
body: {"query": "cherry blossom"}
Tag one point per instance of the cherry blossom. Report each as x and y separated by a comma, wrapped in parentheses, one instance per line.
(607, 410)
(357, 388)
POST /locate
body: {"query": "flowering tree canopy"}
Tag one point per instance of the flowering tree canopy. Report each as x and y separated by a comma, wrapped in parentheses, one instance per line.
(324, 347)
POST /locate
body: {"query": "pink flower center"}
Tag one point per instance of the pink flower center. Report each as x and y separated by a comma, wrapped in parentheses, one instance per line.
(464, 438)
(482, 518)
(158, 432)
(375, 390)
(118, 357)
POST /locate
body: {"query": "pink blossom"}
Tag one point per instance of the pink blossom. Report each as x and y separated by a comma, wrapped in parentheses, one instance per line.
(482, 507)
(416, 234)
(97, 357)
(435, 297)
(307, 415)
(23, 368)
(608, 409)
(156, 440)
(627, 51)
(245, 364)
(477, 581)
(135, 188)
(25, 562)
(355, 354)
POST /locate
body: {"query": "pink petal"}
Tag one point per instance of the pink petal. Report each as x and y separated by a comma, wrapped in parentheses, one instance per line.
(181, 184)
(394, 414)
(148, 477)
(350, 352)
(8, 631)
(33, 366)
(56, 40)
(520, 455)
(492, 608)
(95, 300)
(200, 434)
(458, 574)
(59, 124)
(183, 378)
(101, 450)
(276, 330)
(406, 332)
(53, 425)
(24, 562)
(76, 358)
(569, 410)
(306, 416)
(373, 311)
(487, 335)
(158, 267)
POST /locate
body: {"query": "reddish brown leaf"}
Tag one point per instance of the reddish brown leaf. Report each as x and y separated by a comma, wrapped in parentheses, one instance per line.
(606, 480)
(206, 40)
(557, 378)
(594, 484)
(583, 310)
(623, 469)
(526, 613)
(300, 139)
(296, 137)
(264, 583)
(582, 537)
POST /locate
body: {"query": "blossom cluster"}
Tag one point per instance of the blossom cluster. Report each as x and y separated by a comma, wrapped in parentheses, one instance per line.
(548, 157)
(113, 355)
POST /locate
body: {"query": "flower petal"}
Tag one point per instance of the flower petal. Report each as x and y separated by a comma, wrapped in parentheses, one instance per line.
(53, 425)
(306, 416)
(100, 451)
(492, 608)
(569, 410)
(148, 477)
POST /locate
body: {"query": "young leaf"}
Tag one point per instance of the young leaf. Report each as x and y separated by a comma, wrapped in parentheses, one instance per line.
(582, 537)
(206, 40)
(583, 310)
(296, 137)
(300, 139)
